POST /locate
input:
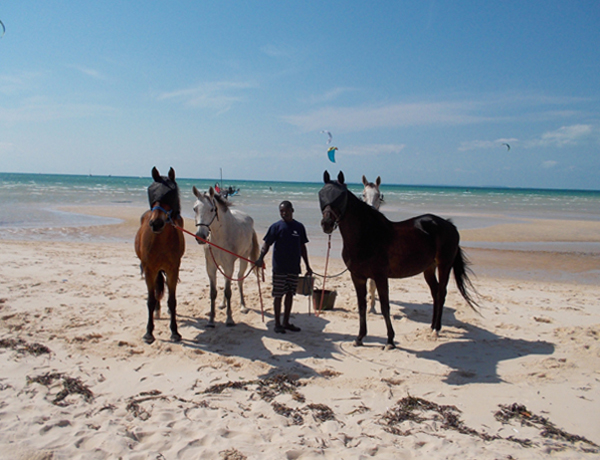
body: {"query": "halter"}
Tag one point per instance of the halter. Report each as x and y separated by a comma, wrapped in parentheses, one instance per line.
(215, 216)
(160, 208)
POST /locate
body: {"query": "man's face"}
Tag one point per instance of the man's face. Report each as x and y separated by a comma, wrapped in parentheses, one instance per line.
(286, 213)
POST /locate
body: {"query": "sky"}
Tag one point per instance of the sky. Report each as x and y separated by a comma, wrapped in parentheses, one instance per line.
(416, 92)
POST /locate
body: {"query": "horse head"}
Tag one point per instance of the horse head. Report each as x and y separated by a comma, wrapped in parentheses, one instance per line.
(206, 210)
(163, 197)
(371, 194)
(333, 199)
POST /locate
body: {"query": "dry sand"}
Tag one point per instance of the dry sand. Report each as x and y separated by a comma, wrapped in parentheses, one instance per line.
(518, 380)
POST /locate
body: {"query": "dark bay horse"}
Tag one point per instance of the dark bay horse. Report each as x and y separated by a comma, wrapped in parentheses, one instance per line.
(376, 248)
(160, 247)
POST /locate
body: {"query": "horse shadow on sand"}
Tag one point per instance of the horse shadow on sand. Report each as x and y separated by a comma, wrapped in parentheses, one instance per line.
(285, 354)
(473, 353)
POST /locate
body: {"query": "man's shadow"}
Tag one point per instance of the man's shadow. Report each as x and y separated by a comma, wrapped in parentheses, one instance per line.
(475, 354)
(246, 341)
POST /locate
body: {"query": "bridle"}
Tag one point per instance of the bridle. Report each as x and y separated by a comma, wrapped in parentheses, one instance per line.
(160, 208)
(215, 208)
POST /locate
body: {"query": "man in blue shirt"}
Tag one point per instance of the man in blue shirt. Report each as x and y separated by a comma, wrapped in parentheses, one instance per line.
(289, 238)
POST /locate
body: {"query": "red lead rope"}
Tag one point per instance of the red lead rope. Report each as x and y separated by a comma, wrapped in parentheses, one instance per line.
(262, 309)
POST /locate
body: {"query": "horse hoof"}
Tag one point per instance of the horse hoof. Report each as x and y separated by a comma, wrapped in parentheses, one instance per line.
(210, 324)
(148, 338)
(358, 343)
(176, 337)
(389, 346)
(230, 323)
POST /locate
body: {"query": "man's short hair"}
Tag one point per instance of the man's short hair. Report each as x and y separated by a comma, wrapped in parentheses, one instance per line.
(286, 204)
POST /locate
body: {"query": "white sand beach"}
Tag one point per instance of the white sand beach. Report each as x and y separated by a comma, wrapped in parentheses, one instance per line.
(517, 380)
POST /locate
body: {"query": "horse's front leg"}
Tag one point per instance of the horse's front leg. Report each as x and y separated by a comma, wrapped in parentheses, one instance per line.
(172, 279)
(241, 272)
(151, 302)
(360, 285)
(230, 321)
(383, 290)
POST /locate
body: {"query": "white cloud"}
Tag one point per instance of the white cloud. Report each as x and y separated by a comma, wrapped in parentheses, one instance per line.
(374, 149)
(88, 72)
(485, 145)
(566, 135)
(213, 95)
(388, 116)
(549, 164)
(329, 95)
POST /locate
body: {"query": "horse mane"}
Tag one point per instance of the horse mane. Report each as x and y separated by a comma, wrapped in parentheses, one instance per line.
(223, 201)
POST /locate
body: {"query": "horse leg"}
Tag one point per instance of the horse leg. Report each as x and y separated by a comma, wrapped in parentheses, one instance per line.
(444, 277)
(383, 290)
(433, 284)
(151, 303)
(241, 272)
(372, 288)
(229, 321)
(360, 285)
(172, 279)
(212, 276)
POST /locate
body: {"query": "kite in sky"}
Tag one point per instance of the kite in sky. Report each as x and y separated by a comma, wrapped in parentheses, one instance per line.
(329, 134)
(3, 31)
(507, 146)
(331, 154)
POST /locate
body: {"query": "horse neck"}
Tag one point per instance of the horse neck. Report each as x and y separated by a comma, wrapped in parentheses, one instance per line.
(221, 226)
(361, 221)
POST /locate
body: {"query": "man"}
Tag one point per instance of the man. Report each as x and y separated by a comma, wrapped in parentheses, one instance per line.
(289, 238)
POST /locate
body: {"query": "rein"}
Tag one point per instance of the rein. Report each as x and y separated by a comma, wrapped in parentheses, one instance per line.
(262, 310)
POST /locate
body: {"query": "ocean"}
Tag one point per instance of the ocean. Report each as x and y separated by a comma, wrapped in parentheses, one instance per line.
(30, 202)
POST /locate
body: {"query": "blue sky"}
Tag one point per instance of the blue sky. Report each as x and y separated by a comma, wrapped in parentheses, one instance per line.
(418, 92)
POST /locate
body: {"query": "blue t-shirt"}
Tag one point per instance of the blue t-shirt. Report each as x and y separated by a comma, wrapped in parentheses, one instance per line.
(288, 238)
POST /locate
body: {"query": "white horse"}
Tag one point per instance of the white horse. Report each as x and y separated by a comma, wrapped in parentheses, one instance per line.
(232, 230)
(373, 197)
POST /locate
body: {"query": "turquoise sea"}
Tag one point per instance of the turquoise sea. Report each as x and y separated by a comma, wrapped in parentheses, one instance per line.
(34, 201)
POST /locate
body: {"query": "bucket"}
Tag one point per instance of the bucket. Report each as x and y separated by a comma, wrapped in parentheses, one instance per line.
(328, 299)
(305, 285)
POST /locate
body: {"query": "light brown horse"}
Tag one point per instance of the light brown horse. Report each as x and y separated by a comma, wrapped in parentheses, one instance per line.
(160, 247)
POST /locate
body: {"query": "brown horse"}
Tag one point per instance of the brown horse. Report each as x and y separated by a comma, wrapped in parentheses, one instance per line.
(376, 248)
(160, 247)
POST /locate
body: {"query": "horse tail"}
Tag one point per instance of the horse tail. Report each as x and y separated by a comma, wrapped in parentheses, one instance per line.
(462, 270)
(159, 287)
(255, 248)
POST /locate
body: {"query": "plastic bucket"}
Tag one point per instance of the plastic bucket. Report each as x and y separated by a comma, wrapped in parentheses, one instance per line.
(305, 285)
(328, 299)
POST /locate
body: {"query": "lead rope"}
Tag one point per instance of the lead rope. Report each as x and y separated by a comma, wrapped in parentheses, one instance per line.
(226, 250)
(318, 312)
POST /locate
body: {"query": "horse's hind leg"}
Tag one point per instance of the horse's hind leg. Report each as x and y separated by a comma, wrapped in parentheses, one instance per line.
(444, 277)
(172, 279)
(230, 321)
(241, 272)
(433, 284)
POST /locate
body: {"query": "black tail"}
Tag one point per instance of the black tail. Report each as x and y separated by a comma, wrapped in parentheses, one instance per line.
(461, 275)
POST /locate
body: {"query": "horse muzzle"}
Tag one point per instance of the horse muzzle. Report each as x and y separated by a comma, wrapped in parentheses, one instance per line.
(157, 225)
(202, 235)
(328, 222)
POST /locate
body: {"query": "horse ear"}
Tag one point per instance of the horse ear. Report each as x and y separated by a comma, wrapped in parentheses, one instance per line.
(172, 174)
(341, 177)
(326, 177)
(365, 181)
(378, 181)
(155, 174)
(211, 192)
(195, 191)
